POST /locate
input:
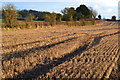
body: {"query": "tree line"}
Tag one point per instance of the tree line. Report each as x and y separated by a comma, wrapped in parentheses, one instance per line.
(68, 14)
(81, 13)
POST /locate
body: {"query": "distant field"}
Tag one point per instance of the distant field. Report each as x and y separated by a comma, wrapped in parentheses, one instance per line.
(61, 52)
(0, 20)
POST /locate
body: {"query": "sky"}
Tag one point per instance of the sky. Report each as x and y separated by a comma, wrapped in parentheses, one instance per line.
(106, 8)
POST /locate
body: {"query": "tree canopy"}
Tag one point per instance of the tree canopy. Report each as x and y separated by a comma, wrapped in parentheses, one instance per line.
(113, 18)
(99, 16)
(69, 13)
(10, 15)
(83, 10)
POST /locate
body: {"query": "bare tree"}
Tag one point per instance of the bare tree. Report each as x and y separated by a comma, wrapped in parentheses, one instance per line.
(93, 12)
(10, 15)
(93, 15)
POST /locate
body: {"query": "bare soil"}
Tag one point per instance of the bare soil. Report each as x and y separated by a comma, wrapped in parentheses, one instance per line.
(90, 52)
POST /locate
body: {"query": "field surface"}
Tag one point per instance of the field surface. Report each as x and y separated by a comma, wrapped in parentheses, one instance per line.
(62, 52)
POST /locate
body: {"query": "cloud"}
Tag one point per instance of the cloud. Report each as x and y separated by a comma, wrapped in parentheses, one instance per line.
(109, 10)
(108, 3)
(96, 7)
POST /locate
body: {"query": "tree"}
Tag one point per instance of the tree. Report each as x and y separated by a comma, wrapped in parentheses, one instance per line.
(51, 18)
(29, 18)
(83, 10)
(99, 16)
(69, 13)
(10, 15)
(59, 17)
(65, 12)
(93, 13)
(78, 16)
(113, 18)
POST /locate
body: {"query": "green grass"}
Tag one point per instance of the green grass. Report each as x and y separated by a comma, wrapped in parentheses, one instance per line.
(0, 20)
(20, 20)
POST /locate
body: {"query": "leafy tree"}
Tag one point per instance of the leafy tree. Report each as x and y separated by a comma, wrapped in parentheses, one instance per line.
(99, 16)
(10, 15)
(69, 13)
(83, 10)
(59, 17)
(51, 18)
(78, 16)
(113, 18)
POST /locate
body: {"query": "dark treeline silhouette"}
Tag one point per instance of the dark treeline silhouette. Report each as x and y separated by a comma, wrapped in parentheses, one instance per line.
(38, 15)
